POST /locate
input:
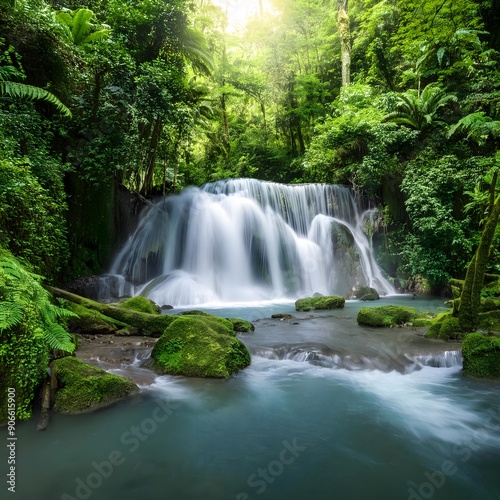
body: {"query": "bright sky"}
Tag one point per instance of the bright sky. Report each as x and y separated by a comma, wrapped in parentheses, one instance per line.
(238, 11)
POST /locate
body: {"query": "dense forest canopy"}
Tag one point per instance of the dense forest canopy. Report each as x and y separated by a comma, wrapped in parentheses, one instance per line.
(400, 100)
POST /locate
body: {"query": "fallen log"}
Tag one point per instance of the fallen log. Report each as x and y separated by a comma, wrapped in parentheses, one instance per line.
(152, 325)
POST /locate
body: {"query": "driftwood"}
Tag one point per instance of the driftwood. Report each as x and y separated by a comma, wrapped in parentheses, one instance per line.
(46, 404)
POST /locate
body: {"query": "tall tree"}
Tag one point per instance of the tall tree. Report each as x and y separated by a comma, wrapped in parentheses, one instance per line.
(345, 40)
(468, 313)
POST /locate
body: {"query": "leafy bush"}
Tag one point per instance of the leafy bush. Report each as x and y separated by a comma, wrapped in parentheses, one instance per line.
(32, 223)
(440, 239)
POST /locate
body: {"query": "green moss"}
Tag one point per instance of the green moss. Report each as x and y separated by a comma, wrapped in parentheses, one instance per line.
(141, 304)
(385, 316)
(194, 312)
(220, 325)
(147, 324)
(320, 303)
(449, 329)
(433, 331)
(490, 304)
(90, 321)
(422, 322)
(481, 356)
(199, 346)
(82, 387)
(241, 325)
(490, 321)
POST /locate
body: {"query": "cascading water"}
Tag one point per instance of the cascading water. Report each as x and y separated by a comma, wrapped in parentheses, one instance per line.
(245, 240)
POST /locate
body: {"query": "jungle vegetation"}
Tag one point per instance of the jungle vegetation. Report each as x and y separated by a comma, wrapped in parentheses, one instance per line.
(399, 100)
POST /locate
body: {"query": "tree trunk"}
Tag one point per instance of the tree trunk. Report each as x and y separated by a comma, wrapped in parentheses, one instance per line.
(151, 156)
(470, 300)
(345, 41)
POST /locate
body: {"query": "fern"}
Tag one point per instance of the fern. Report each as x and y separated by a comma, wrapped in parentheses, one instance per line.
(11, 314)
(24, 300)
(24, 91)
(58, 338)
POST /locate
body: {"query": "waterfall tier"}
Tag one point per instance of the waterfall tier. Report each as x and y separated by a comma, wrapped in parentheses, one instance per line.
(245, 240)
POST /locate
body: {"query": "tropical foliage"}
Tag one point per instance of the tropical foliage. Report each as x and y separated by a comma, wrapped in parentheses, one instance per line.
(30, 326)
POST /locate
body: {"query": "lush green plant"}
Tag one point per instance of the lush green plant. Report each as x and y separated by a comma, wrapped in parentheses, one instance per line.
(18, 90)
(440, 240)
(422, 111)
(30, 326)
(32, 223)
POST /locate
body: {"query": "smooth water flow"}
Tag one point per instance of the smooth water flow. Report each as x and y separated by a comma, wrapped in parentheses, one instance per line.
(244, 240)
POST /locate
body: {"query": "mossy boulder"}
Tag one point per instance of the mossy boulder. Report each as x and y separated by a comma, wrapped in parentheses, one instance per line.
(366, 293)
(320, 303)
(141, 304)
(386, 316)
(241, 325)
(83, 388)
(481, 356)
(199, 346)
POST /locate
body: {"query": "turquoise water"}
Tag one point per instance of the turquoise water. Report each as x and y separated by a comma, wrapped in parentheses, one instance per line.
(285, 428)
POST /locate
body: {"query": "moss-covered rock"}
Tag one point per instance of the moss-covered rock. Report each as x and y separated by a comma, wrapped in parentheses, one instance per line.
(366, 293)
(481, 356)
(199, 346)
(386, 316)
(449, 329)
(241, 325)
(141, 304)
(83, 388)
(320, 303)
(282, 316)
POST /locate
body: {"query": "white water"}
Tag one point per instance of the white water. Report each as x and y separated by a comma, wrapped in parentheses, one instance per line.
(246, 241)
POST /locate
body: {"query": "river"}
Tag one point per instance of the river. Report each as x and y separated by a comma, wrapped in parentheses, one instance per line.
(327, 410)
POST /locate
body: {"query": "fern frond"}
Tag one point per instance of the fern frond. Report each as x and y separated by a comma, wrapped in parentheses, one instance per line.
(58, 338)
(22, 90)
(10, 268)
(11, 314)
(96, 36)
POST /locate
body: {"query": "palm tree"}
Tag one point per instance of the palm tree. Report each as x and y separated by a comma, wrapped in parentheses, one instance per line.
(421, 112)
(24, 91)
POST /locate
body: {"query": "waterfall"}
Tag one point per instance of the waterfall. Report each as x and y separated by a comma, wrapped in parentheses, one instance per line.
(244, 240)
